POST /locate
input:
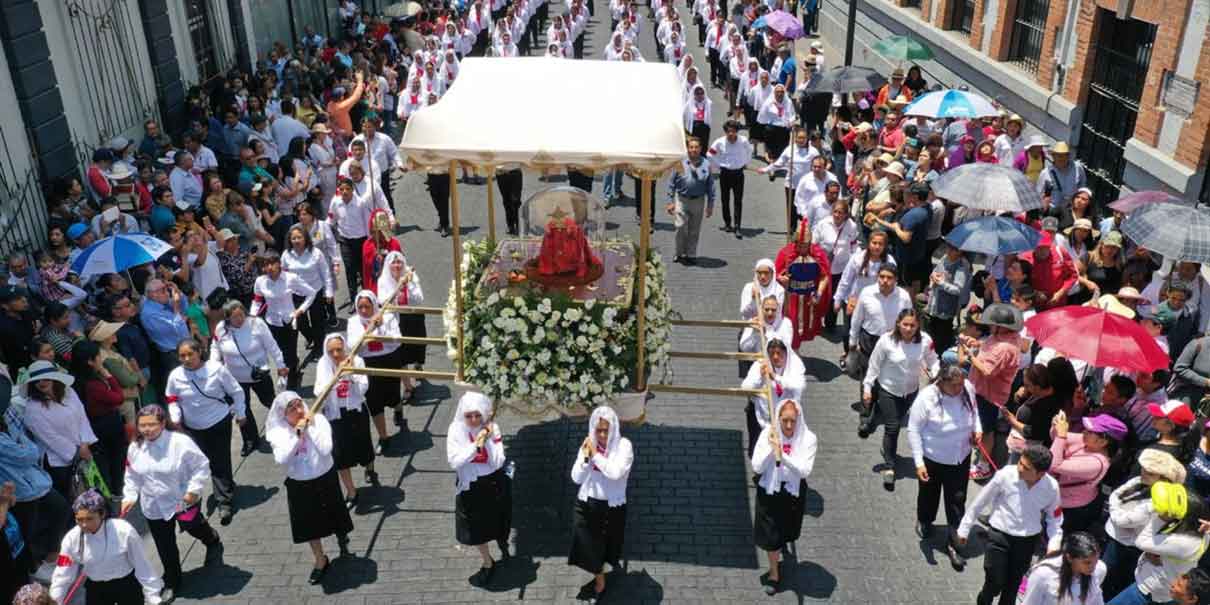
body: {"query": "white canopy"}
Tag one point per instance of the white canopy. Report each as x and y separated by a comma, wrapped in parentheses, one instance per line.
(546, 112)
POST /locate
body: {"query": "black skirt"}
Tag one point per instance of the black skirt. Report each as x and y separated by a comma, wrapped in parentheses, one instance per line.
(383, 392)
(597, 534)
(778, 519)
(317, 508)
(412, 324)
(484, 512)
(351, 441)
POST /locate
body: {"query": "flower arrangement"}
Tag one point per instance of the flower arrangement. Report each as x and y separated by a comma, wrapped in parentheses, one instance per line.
(537, 350)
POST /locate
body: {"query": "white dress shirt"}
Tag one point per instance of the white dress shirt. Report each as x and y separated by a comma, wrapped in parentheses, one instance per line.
(940, 426)
(382, 149)
(348, 394)
(1042, 586)
(203, 409)
(796, 161)
(853, 280)
(809, 197)
(351, 219)
(789, 382)
(273, 299)
(468, 465)
(243, 348)
(895, 364)
(1016, 508)
(356, 326)
(604, 477)
(749, 305)
(112, 553)
(782, 329)
(59, 428)
(204, 160)
(875, 313)
(371, 168)
(788, 473)
(312, 267)
(777, 114)
(728, 155)
(839, 242)
(306, 454)
(159, 473)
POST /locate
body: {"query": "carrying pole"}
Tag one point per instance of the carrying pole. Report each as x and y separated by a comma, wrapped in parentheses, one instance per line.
(640, 370)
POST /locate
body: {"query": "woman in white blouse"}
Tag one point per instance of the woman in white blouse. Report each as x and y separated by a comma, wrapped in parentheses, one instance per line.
(395, 269)
(383, 391)
(345, 409)
(483, 502)
(202, 398)
(165, 474)
(108, 553)
(302, 443)
(245, 346)
(772, 323)
(1066, 578)
(55, 416)
(795, 159)
(274, 299)
(942, 426)
(893, 375)
(840, 238)
(782, 485)
(323, 159)
(303, 259)
(601, 469)
(762, 286)
(859, 272)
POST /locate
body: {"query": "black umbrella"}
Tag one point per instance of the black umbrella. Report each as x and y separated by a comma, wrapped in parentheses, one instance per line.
(843, 80)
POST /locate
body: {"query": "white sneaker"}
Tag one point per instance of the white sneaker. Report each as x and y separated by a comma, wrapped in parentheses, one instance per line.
(44, 573)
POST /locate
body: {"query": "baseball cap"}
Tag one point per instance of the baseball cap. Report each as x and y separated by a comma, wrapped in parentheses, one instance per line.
(1173, 410)
(1050, 223)
(76, 230)
(1106, 425)
(224, 235)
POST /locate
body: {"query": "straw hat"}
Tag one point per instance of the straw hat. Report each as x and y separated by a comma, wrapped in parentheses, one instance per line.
(321, 128)
(1082, 223)
(894, 168)
(1060, 148)
(898, 102)
(897, 73)
(104, 330)
(1015, 118)
(1111, 304)
(1129, 293)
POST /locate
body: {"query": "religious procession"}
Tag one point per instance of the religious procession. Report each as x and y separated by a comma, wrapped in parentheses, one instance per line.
(918, 258)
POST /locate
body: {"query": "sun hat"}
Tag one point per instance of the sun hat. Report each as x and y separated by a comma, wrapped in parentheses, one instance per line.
(886, 158)
(1015, 118)
(897, 73)
(224, 235)
(1159, 462)
(75, 231)
(1111, 304)
(1106, 425)
(894, 168)
(103, 330)
(45, 370)
(1113, 238)
(1129, 293)
(1003, 315)
(1036, 140)
(1082, 223)
(320, 127)
(1170, 500)
(1173, 410)
(1060, 148)
(864, 127)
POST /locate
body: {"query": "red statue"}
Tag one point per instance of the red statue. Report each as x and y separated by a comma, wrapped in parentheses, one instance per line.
(565, 250)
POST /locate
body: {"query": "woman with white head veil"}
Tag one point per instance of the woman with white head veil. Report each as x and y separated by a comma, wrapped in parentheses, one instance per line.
(762, 286)
(345, 409)
(483, 502)
(395, 269)
(787, 376)
(685, 64)
(783, 484)
(302, 443)
(383, 391)
(774, 324)
(601, 469)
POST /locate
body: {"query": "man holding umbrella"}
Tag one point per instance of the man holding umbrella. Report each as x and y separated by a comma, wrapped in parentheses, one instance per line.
(814, 104)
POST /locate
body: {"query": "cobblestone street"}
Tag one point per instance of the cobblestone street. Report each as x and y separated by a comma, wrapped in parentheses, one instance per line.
(689, 529)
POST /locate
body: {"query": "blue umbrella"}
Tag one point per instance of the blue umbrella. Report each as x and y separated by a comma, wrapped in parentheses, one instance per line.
(759, 23)
(994, 235)
(118, 253)
(951, 104)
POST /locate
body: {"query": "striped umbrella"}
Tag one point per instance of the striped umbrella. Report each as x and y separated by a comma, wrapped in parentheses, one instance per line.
(1132, 201)
(991, 187)
(118, 253)
(994, 235)
(951, 104)
(1177, 231)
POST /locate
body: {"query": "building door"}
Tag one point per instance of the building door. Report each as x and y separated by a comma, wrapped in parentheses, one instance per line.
(197, 12)
(1122, 55)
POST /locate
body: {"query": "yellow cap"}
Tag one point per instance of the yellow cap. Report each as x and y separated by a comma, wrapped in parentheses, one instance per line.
(1170, 500)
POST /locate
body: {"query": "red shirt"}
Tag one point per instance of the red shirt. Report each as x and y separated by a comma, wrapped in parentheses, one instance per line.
(102, 396)
(1055, 274)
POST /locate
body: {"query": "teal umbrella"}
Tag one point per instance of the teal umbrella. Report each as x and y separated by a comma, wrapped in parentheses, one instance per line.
(903, 48)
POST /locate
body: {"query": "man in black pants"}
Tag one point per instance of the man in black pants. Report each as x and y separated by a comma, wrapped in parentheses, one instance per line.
(510, 183)
(731, 153)
(438, 181)
(1022, 497)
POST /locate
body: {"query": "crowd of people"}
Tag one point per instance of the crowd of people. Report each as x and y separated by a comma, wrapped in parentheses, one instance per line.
(128, 385)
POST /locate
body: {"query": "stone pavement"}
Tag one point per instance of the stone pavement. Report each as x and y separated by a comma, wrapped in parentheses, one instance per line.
(689, 536)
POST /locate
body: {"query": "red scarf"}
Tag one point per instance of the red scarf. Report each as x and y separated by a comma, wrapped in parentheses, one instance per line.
(700, 114)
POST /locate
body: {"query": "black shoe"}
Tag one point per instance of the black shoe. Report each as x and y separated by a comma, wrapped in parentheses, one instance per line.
(214, 554)
(738, 235)
(924, 531)
(587, 591)
(770, 586)
(225, 513)
(888, 479)
(676, 258)
(957, 561)
(249, 447)
(397, 416)
(383, 445)
(483, 576)
(728, 228)
(372, 477)
(317, 574)
(863, 430)
(445, 232)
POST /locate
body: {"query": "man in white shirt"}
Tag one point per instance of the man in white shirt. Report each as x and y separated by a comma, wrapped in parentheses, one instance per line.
(731, 154)
(1021, 498)
(286, 128)
(203, 157)
(382, 151)
(810, 197)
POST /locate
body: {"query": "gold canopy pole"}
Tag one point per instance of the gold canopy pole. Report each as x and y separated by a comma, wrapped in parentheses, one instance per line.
(491, 207)
(640, 381)
(456, 219)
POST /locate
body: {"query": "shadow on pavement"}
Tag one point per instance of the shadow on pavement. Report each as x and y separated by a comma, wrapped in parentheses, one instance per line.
(348, 573)
(210, 582)
(807, 580)
(514, 573)
(707, 262)
(687, 499)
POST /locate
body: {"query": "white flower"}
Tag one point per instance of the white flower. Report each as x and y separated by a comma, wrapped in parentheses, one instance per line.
(574, 314)
(512, 355)
(590, 303)
(519, 302)
(581, 341)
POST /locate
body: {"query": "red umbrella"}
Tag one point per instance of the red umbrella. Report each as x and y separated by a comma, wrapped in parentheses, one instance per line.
(1099, 337)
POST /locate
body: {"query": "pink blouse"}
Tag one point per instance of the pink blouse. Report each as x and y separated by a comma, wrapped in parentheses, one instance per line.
(1079, 473)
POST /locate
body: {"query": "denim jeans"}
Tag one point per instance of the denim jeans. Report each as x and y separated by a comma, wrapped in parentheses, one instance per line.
(612, 184)
(1133, 596)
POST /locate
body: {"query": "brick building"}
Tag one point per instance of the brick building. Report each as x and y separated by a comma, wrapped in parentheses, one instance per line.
(1118, 79)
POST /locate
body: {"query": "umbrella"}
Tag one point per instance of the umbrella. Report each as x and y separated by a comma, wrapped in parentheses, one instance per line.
(759, 23)
(843, 80)
(1132, 201)
(1101, 338)
(951, 104)
(1177, 231)
(118, 253)
(402, 9)
(991, 187)
(785, 24)
(903, 48)
(994, 235)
